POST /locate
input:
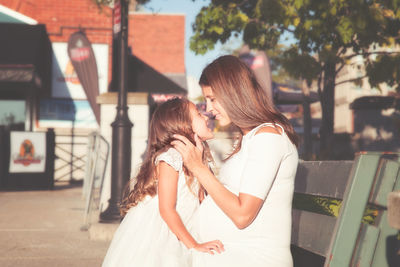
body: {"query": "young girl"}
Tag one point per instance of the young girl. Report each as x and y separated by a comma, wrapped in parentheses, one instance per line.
(160, 207)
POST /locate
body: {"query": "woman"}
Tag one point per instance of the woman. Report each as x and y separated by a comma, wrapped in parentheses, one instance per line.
(249, 207)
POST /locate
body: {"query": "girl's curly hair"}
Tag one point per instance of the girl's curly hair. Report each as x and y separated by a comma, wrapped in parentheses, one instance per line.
(169, 118)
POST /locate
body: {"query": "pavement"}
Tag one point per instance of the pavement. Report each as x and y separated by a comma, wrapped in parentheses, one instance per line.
(42, 228)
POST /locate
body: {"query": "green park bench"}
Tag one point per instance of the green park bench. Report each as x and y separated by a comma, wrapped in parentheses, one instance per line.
(346, 240)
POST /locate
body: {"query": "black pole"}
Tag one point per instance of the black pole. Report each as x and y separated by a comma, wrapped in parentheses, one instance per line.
(121, 127)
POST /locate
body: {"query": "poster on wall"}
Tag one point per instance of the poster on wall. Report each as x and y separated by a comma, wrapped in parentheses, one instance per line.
(27, 152)
(65, 82)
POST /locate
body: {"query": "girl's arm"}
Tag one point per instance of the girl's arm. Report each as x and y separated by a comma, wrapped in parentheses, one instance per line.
(242, 209)
(167, 192)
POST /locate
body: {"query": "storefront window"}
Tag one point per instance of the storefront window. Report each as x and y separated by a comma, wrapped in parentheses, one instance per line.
(12, 114)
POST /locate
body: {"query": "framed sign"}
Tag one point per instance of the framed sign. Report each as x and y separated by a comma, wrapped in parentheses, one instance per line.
(27, 152)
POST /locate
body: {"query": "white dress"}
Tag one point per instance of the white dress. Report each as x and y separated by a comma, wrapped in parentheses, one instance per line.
(143, 238)
(265, 167)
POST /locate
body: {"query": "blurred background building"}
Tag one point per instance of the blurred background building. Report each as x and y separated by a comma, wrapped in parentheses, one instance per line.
(39, 88)
(366, 118)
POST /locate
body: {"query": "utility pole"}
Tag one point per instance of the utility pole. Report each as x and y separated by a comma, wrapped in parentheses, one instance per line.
(122, 126)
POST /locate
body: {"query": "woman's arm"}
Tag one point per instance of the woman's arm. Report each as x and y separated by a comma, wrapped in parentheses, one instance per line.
(167, 192)
(242, 209)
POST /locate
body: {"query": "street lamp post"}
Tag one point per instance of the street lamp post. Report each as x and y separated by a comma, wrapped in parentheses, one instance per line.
(121, 127)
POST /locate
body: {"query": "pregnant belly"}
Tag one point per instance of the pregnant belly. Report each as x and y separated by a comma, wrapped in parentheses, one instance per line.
(213, 223)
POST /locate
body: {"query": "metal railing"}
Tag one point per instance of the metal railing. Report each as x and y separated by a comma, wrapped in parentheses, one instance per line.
(70, 157)
(97, 157)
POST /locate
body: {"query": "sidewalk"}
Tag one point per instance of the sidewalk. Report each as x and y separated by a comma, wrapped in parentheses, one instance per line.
(42, 228)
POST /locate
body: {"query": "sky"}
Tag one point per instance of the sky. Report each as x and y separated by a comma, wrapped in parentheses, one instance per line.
(194, 63)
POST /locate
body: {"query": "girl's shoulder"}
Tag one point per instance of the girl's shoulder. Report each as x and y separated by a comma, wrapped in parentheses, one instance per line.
(172, 157)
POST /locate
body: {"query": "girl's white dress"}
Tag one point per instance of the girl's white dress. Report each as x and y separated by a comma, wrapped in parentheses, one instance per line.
(143, 239)
(265, 167)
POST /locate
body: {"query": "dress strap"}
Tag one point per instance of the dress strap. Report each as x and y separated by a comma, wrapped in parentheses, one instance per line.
(269, 124)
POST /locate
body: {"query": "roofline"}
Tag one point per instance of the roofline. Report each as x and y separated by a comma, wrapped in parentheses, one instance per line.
(155, 13)
(17, 15)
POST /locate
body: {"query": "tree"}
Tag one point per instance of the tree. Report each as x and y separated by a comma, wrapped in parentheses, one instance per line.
(325, 36)
(275, 58)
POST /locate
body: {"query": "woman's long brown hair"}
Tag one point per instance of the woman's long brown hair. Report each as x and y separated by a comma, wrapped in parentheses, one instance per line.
(171, 117)
(235, 86)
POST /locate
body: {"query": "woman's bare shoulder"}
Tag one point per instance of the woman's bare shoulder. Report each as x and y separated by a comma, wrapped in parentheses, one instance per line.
(269, 129)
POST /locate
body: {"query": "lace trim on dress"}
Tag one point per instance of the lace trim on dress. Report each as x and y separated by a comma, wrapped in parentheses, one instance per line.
(172, 158)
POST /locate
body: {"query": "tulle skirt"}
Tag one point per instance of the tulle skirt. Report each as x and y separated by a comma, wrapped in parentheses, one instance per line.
(144, 239)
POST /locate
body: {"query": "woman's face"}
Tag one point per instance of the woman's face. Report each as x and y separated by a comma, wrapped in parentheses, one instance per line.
(215, 107)
(199, 123)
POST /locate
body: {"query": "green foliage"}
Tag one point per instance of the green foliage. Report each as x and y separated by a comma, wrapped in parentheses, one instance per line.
(277, 64)
(300, 66)
(210, 26)
(324, 34)
(321, 30)
(386, 68)
(315, 204)
(329, 207)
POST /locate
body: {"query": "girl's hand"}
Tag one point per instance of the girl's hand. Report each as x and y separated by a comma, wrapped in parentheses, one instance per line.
(210, 247)
(191, 155)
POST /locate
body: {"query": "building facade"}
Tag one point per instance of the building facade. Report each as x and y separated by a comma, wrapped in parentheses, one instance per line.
(51, 95)
(155, 39)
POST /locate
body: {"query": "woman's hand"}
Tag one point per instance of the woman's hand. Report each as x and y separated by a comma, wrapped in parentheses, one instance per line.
(192, 155)
(210, 247)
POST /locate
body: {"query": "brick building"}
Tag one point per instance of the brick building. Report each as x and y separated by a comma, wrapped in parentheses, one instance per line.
(156, 42)
(39, 88)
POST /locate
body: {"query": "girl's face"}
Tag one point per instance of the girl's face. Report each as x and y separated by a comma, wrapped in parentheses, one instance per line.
(215, 107)
(199, 124)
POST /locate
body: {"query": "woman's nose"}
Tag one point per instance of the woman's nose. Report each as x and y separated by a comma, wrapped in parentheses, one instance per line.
(208, 108)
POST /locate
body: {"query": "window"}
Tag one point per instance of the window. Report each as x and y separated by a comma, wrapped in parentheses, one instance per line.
(12, 114)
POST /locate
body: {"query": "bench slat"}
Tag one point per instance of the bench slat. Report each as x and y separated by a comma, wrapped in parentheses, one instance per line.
(367, 241)
(387, 175)
(352, 210)
(323, 178)
(312, 231)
